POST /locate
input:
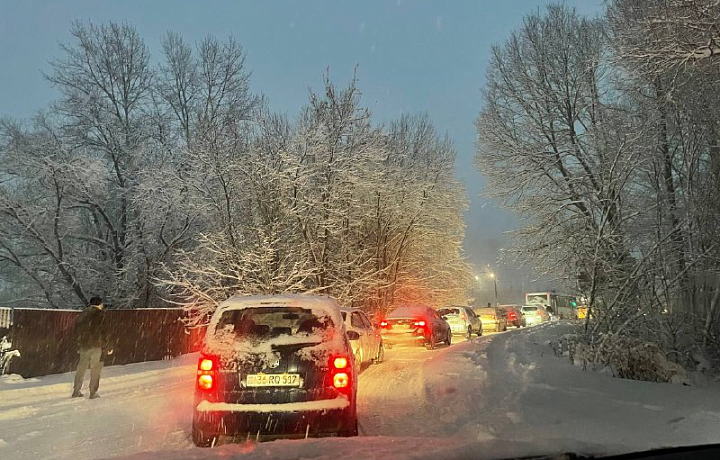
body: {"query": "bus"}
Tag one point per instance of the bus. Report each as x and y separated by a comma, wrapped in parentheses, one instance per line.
(561, 305)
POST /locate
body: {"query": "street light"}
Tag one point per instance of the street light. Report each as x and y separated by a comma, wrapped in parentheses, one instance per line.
(492, 275)
(494, 278)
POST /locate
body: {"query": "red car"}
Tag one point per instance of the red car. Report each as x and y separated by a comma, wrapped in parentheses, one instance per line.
(513, 314)
(415, 325)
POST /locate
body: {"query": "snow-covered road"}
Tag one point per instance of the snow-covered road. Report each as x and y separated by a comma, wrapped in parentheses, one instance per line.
(493, 397)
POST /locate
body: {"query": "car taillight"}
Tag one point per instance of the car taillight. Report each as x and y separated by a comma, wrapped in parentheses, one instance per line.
(206, 364)
(205, 382)
(206, 373)
(420, 323)
(463, 317)
(339, 375)
(340, 362)
(383, 324)
(341, 380)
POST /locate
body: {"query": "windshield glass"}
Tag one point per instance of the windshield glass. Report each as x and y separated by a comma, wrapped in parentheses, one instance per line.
(449, 311)
(537, 298)
(408, 312)
(424, 229)
(262, 323)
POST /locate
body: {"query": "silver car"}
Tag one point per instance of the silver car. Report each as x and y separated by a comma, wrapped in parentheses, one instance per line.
(534, 314)
(367, 345)
(462, 321)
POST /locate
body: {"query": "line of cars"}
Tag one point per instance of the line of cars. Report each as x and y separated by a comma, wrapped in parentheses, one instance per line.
(287, 365)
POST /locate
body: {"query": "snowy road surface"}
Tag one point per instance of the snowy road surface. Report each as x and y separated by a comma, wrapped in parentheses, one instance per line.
(494, 397)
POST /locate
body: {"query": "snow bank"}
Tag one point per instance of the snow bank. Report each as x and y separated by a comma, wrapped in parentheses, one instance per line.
(623, 356)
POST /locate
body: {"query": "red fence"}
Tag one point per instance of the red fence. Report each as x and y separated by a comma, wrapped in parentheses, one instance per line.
(47, 342)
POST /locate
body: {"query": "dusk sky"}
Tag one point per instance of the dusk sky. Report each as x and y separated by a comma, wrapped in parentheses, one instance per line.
(411, 56)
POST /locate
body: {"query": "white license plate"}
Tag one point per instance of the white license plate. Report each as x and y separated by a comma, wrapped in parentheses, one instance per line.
(273, 380)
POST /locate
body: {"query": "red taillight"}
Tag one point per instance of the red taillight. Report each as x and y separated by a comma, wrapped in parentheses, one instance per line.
(512, 315)
(340, 362)
(206, 364)
(383, 324)
(463, 317)
(341, 380)
(420, 323)
(205, 382)
(339, 373)
(206, 373)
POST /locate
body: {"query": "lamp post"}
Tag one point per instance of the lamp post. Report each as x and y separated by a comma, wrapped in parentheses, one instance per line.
(492, 275)
(494, 278)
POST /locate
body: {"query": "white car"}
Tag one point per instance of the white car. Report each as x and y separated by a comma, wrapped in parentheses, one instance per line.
(462, 321)
(368, 346)
(534, 314)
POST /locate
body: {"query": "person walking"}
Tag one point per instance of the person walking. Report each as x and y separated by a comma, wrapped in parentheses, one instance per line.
(91, 338)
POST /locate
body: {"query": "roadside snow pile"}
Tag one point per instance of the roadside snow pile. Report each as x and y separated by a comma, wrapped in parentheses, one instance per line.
(13, 379)
(623, 356)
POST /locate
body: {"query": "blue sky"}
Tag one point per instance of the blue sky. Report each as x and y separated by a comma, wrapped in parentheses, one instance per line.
(411, 56)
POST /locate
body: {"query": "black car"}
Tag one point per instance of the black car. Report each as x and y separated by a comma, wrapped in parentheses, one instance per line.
(415, 325)
(275, 366)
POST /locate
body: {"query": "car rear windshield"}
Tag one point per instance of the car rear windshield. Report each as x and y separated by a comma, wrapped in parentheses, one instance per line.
(529, 308)
(407, 312)
(449, 311)
(268, 322)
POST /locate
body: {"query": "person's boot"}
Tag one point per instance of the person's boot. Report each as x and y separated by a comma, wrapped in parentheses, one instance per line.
(76, 394)
(94, 396)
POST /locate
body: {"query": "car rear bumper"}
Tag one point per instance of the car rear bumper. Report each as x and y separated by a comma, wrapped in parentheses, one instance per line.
(458, 328)
(268, 421)
(404, 339)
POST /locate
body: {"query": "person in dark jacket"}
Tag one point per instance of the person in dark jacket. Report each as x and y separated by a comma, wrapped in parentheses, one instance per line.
(90, 331)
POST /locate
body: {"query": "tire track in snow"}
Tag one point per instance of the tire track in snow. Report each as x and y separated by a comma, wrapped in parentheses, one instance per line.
(391, 395)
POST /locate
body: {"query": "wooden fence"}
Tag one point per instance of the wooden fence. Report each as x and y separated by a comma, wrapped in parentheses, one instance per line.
(47, 343)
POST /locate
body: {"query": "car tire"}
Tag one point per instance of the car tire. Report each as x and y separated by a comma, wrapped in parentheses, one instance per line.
(359, 359)
(430, 344)
(448, 339)
(480, 332)
(351, 431)
(380, 354)
(200, 438)
(468, 336)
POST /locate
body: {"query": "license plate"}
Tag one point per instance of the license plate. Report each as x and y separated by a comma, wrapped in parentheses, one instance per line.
(273, 380)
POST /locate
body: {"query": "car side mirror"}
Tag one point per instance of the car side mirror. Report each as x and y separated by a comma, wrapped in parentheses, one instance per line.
(352, 335)
(444, 317)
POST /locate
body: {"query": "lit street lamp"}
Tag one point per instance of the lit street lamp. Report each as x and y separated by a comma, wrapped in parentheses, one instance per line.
(494, 278)
(492, 275)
